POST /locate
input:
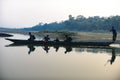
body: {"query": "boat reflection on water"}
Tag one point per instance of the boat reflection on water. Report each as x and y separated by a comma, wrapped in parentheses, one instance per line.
(46, 48)
(113, 57)
(113, 51)
(56, 48)
(68, 49)
(31, 48)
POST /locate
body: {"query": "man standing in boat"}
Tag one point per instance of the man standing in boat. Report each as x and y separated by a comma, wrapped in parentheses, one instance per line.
(32, 37)
(114, 34)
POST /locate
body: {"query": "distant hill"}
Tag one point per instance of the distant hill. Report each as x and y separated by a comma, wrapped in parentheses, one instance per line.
(7, 30)
(3, 28)
(80, 23)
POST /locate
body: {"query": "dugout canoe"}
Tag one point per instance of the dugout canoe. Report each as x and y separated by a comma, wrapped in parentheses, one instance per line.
(61, 43)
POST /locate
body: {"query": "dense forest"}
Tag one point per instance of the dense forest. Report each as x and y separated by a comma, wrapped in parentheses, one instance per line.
(81, 23)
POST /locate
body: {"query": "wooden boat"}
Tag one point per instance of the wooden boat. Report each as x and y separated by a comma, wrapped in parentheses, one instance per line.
(61, 43)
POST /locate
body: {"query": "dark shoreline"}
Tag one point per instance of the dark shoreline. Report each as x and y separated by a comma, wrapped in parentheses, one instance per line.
(5, 35)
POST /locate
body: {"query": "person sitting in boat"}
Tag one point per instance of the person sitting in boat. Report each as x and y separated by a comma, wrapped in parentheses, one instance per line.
(68, 39)
(32, 37)
(46, 38)
(56, 40)
(114, 32)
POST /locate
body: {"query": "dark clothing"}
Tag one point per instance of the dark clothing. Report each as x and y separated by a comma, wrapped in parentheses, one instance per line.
(114, 34)
(46, 38)
(68, 39)
(56, 40)
(32, 37)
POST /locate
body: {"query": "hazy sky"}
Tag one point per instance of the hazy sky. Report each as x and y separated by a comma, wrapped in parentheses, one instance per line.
(27, 13)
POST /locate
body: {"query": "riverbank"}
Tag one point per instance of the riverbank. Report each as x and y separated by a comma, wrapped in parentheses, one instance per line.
(5, 35)
(74, 35)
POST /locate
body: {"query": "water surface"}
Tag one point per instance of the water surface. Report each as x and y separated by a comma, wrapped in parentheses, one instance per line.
(57, 63)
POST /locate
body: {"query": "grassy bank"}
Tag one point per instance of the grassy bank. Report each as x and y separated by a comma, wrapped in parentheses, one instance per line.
(74, 35)
(98, 36)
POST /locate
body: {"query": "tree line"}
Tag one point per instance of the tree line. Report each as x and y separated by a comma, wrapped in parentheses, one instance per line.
(81, 23)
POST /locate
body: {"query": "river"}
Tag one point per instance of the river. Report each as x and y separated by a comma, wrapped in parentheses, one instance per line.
(57, 63)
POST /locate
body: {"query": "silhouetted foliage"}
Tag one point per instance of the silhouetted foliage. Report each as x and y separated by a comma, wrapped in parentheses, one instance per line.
(81, 23)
